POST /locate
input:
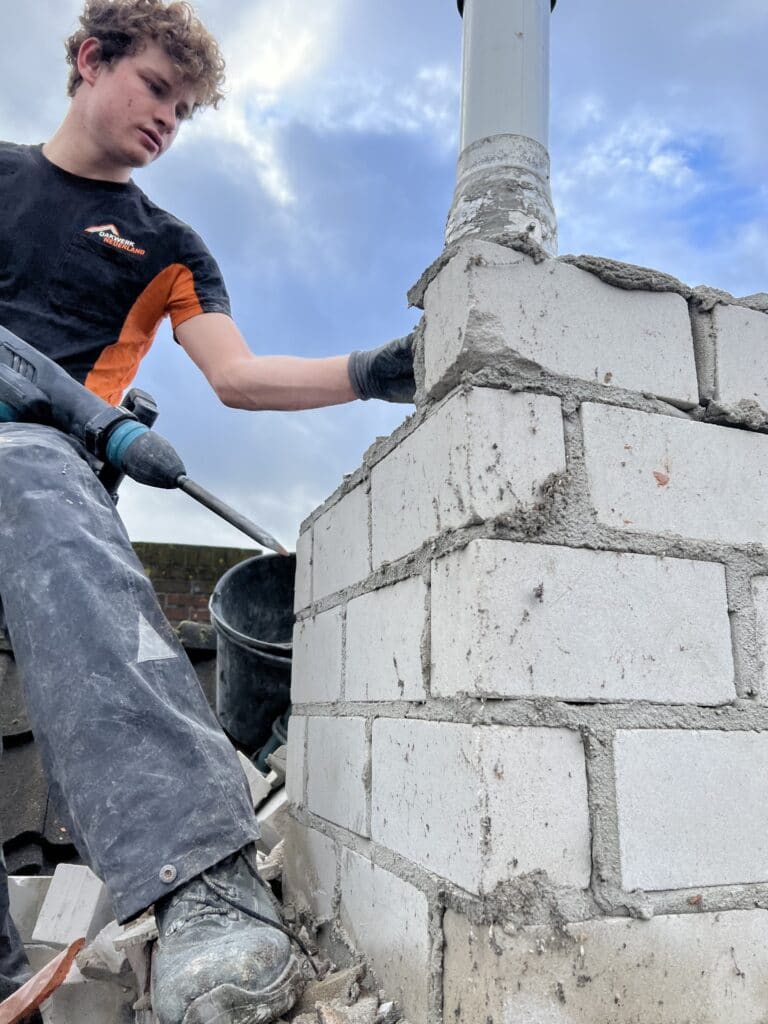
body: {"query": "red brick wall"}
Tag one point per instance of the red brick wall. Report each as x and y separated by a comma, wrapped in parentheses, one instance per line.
(185, 575)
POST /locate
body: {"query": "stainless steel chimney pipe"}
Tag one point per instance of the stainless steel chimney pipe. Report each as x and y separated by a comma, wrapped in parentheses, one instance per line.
(502, 185)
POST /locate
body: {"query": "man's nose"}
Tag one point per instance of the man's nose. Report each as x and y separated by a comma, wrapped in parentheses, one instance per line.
(165, 116)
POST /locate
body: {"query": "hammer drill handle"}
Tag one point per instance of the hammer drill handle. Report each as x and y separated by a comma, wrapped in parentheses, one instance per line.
(37, 390)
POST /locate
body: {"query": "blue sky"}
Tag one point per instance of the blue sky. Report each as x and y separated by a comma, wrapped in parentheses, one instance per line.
(323, 183)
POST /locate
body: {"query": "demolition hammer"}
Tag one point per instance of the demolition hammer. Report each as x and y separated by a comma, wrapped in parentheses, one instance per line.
(34, 389)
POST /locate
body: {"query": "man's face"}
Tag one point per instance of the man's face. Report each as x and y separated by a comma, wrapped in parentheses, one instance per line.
(135, 106)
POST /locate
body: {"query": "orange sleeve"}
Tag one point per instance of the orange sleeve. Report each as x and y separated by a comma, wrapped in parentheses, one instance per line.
(183, 302)
(118, 364)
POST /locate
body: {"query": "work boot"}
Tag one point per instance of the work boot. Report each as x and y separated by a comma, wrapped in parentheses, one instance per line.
(222, 956)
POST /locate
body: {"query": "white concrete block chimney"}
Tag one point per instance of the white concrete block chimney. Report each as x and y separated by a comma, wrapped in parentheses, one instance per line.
(502, 185)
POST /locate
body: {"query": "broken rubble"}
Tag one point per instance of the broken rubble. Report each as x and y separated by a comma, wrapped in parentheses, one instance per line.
(271, 867)
(362, 1012)
(273, 819)
(343, 986)
(258, 784)
(137, 933)
(111, 982)
(101, 961)
(136, 941)
(388, 1014)
(278, 762)
(102, 990)
(338, 999)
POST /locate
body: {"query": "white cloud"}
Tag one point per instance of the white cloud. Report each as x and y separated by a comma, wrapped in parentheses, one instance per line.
(273, 50)
(256, 144)
(632, 190)
(277, 46)
(295, 62)
(671, 167)
(424, 104)
(639, 152)
(585, 112)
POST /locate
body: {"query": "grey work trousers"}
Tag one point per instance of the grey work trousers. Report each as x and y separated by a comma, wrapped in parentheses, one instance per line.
(152, 789)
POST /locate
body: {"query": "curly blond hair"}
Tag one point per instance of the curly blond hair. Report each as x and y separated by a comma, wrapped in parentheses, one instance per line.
(124, 27)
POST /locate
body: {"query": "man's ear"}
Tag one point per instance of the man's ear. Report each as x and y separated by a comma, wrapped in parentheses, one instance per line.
(90, 60)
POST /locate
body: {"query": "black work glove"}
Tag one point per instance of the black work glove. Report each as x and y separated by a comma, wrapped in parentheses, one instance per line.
(385, 372)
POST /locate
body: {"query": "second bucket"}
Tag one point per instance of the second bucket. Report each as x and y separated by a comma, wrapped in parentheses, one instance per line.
(252, 613)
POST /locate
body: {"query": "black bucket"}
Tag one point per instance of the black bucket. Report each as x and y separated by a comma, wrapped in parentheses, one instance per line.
(252, 613)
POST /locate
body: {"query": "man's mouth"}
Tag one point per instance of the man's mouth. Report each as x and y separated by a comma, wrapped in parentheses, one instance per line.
(152, 139)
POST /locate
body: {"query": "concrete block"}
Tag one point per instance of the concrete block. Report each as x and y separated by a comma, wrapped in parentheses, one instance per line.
(82, 1001)
(479, 805)
(692, 808)
(258, 784)
(76, 905)
(40, 955)
(760, 597)
(310, 871)
(273, 819)
(659, 474)
(341, 555)
(337, 771)
(561, 319)
(297, 746)
(522, 620)
(740, 337)
(137, 939)
(316, 669)
(478, 456)
(385, 631)
(388, 920)
(303, 593)
(26, 893)
(686, 969)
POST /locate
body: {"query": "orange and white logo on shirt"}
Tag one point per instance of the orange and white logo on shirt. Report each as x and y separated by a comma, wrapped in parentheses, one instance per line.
(109, 235)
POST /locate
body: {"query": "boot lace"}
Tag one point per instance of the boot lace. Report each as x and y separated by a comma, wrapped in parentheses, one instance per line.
(222, 893)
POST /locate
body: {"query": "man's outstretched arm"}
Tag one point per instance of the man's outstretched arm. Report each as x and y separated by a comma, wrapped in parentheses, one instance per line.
(243, 380)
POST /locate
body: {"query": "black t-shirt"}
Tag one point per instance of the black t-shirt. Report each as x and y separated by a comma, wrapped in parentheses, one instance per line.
(89, 269)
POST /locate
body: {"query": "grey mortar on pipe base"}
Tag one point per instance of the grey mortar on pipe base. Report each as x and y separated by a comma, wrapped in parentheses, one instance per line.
(502, 185)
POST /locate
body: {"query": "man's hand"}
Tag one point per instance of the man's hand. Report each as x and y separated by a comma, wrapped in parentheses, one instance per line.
(385, 372)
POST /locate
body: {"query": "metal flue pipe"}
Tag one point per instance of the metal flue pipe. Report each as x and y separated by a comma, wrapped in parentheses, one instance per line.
(503, 174)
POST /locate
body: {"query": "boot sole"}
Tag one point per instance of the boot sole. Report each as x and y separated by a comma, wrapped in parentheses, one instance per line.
(229, 1004)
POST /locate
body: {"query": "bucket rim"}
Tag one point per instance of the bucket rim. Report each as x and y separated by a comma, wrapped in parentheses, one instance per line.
(270, 651)
(284, 648)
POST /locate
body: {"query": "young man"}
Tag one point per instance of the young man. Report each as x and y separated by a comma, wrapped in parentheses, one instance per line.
(155, 796)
